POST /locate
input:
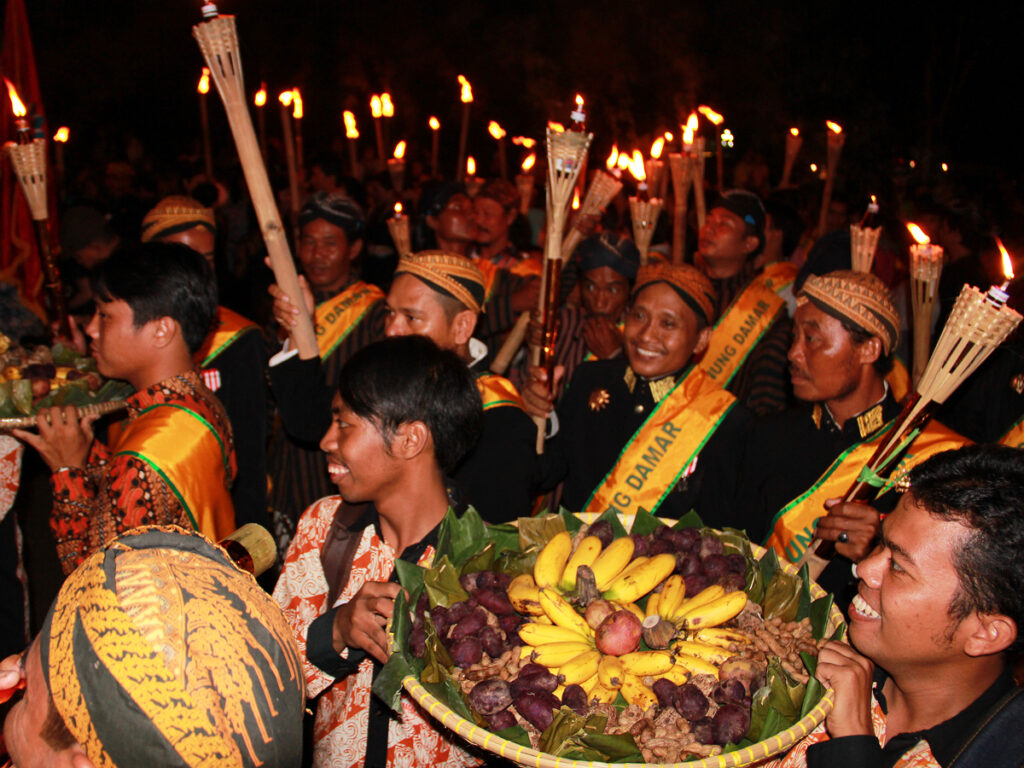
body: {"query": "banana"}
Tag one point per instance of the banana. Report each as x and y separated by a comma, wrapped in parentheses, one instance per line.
(547, 570)
(636, 562)
(586, 553)
(557, 693)
(524, 595)
(654, 604)
(635, 692)
(724, 637)
(525, 652)
(713, 654)
(581, 667)
(612, 561)
(636, 584)
(589, 685)
(632, 608)
(696, 666)
(672, 594)
(716, 612)
(542, 634)
(561, 613)
(640, 663)
(679, 674)
(603, 695)
(610, 672)
(559, 654)
(703, 597)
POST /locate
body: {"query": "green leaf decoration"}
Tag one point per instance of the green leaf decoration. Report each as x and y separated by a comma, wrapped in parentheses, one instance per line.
(613, 519)
(644, 523)
(481, 561)
(467, 535)
(803, 608)
(516, 734)
(815, 690)
(819, 615)
(782, 596)
(572, 522)
(442, 584)
(690, 520)
(538, 531)
(388, 683)
(565, 724)
(619, 748)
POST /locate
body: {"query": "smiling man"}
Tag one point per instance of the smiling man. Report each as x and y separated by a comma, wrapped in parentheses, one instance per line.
(939, 607)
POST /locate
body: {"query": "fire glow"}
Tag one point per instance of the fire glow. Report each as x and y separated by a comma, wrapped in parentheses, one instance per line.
(466, 94)
(713, 117)
(351, 131)
(636, 167)
(386, 107)
(690, 129)
(657, 147)
(496, 130)
(529, 162)
(524, 142)
(261, 96)
(613, 158)
(375, 107)
(1007, 262)
(17, 107)
(434, 123)
(204, 81)
(399, 150)
(917, 233)
(297, 111)
(834, 127)
(285, 97)
(794, 132)
(470, 166)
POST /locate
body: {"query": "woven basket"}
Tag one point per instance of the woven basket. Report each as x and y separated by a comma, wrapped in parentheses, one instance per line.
(94, 409)
(526, 756)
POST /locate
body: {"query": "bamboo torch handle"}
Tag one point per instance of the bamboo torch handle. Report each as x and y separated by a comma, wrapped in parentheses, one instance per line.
(512, 344)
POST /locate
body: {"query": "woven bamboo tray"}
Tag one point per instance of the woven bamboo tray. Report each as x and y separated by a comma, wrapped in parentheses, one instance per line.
(531, 758)
(94, 409)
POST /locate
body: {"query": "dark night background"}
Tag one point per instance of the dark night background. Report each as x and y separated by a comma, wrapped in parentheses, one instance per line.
(928, 83)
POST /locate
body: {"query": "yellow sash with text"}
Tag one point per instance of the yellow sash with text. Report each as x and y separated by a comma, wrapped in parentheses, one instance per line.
(334, 319)
(1015, 437)
(664, 446)
(739, 329)
(229, 328)
(185, 450)
(793, 527)
(497, 391)
(899, 379)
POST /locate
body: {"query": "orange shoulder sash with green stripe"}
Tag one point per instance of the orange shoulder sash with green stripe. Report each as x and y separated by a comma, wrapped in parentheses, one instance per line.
(793, 527)
(899, 379)
(741, 326)
(335, 318)
(229, 329)
(1015, 436)
(489, 271)
(497, 391)
(531, 266)
(184, 449)
(663, 447)
(778, 276)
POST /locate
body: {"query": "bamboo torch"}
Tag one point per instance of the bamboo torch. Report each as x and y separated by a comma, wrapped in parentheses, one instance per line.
(602, 190)
(398, 226)
(387, 111)
(376, 111)
(836, 139)
(351, 136)
(203, 88)
(260, 100)
(567, 151)
(925, 268)
(643, 209)
(716, 119)
(864, 239)
(524, 183)
(298, 112)
(681, 169)
(654, 167)
(435, 144)
(286, 98)
(218, 42)
(466, 97)
(498, 134)
(978, 324)
(60, 138)
(793, 142)
(473, 182)
(396, 167)
(28, 157)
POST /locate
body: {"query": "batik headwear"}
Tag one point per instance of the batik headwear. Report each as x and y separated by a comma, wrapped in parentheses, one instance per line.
(502, 191)
(748, 207)
(609, 250)
(159, 651)
(175, 214)
(690, 283)
(858, 297)
(447, 273)
(341, 211)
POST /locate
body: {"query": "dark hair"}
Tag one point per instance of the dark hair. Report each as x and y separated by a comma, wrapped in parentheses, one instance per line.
(159, 279)
(330, 164)
(885, 362)
(408, 378)
(982, 488)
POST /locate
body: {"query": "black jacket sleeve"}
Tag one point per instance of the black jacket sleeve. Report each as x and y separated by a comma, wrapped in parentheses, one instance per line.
(846, 752)
(320, 648)
(303, 398)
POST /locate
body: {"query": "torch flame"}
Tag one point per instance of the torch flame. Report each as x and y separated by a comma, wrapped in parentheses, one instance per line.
(624, 162)
(1007, 262)
(918, 234)
(62, 134)
(434, 123)
(470, 166)
(669, 136)
(386, 107)
(400, 150)
(689, 129)
(657, 147)
(375, 106)
(529, 162)
(351, 131)
(261, 96)
(556, 127)
(613, 158)
(297, 112)
(204, 81)
(466, 95)
(576, 200)
(834, 127)
(524, 142)
(285, 97)
(495, 130)
(874, 200)
(636, 166)
(398, 209)
(710, 114)
(794, 132)
(17, 107)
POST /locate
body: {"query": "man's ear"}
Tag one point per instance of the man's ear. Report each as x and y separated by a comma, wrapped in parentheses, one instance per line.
(989, 634)
(870, 351)
(463, 325)
(79, 759)
(354, 250)
(703, 339)
(510, 216)
(163, 331)
(410, 440)
(750, 243)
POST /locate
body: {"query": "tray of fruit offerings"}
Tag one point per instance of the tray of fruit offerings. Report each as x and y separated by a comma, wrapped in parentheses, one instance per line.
(31, 379)
(559, 642)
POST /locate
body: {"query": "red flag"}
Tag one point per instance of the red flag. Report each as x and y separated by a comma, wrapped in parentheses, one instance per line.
(19, 254)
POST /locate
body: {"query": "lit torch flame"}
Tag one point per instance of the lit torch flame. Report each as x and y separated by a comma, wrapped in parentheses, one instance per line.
(613, 158)
(204, 81)
(524, 142)
(690, 129)
(794, 132)
(657, 147)
(636, 166)
(351, 131)
(434, 123)
(261, 96)
(710, 114)
(834, 127)
(669, 136)
(398, 209)
(297, 111)
(386, 107)
(400, 150)
(624, 162)
(556, 127)
(918, 234)
(529, 162)
(62, 134)
(579, 103)
(375, 108)
(466, 95)
(470, 166)
(17, 107)
(495, 130)
(285, 97)
(576, 200)
(1007, 262)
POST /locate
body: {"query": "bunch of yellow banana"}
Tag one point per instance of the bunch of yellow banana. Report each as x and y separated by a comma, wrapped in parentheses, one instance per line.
(723, 637)
(524, 595)
(711, 612)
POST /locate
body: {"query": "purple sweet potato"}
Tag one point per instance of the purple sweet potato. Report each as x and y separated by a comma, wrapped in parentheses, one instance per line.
(466, 652)
(495, 601)
(575, 698)
(666, 691)
(690, 702)
(730, 724)
(535, 708)
(471, 625)
(488, 697)
(492, 642)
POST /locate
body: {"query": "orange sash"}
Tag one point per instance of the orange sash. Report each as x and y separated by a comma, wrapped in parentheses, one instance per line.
(1015, 437)
(335, 318)
(230, 327)
(497, 391)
